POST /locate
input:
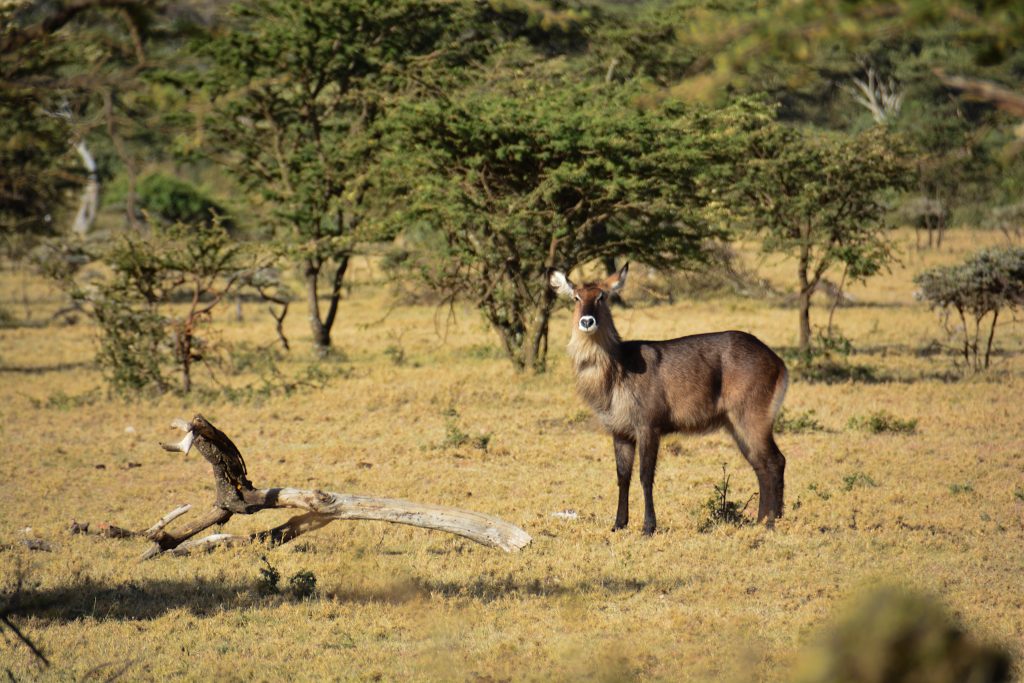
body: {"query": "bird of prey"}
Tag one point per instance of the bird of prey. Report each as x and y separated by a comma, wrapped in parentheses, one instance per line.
(224, 450)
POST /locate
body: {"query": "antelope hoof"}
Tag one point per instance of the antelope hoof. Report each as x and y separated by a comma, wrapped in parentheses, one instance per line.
(649, 530)
(619, 526)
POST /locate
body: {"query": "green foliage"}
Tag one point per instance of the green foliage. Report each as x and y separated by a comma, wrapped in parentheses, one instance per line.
(893, 635)
(455, 436)
(396, 354)
(957, 489)
(814, 368)
(268, 579)
(745, 43)
(140, 338)
(75, 73)
(817, 490)
(719, 510)
(271, 380)
(858, 480)
(798, 423)
(983, 286)
(512, 176)
(882, 422)
(36, 159)
(832, 342)
(176, 201)
(816, 197)
(303, 584)
(133, 346)
(297, 87)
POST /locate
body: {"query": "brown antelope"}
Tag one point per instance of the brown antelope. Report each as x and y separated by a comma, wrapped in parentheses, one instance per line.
(641, 390)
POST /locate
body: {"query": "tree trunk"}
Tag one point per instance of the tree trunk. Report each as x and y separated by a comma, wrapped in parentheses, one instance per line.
(321, 334)
(991, 336)
(806, 289)
(321, 327)
(536, 354)
(90, 200)
(805, 321)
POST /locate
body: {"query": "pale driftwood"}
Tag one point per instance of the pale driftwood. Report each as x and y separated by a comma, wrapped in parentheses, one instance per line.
(325, 507)
(152, 531)
(236, 495)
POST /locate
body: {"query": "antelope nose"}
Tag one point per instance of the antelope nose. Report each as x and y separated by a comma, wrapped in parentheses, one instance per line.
(587, 323)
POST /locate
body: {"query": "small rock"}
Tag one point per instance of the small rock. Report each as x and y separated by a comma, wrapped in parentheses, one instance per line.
(101, 466)
(132, 465)
(566, 514)
(364, 465)
(36, 544)
(129, 430)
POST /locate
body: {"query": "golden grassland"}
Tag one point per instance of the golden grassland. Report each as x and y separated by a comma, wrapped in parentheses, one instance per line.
(398, 603)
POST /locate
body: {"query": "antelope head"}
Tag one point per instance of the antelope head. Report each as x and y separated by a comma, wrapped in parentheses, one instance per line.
(591, 298)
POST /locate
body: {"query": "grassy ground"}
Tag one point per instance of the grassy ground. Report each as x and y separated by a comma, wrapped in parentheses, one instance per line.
(940, 509)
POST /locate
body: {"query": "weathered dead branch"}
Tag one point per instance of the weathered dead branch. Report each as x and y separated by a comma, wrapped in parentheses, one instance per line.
(237, 495)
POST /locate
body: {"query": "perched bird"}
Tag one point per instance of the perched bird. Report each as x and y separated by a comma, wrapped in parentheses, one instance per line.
(224, 453)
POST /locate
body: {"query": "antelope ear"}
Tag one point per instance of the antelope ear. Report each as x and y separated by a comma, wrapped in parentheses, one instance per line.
(618, 280)
(560, 283)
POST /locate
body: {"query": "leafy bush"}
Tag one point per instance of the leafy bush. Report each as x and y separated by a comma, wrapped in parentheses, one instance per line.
(453, 434)
(881, 422)
(893, 635)
(142, 339)
(798, 423)
(176, 201)
(818, 491)
(983, 286)
(268, 579)
(455, 437)
(813, 368)
(858, 480)
(719, 510)
(302, 584)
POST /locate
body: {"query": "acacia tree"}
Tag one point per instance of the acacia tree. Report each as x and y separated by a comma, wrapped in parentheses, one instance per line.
(92, 77)
(513, 176)
(819, 198)
(986, 283)
(297, 87)
(142, 331)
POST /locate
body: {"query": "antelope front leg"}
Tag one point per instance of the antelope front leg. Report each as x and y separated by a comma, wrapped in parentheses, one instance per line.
(624, 451)
(648, 444)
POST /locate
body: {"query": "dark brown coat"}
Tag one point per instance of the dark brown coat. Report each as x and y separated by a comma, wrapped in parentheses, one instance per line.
(641, 390)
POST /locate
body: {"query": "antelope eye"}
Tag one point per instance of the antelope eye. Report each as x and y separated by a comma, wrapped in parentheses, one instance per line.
(600, 296)
(577, 297)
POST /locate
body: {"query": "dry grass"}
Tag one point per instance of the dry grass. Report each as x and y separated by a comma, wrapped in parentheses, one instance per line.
(395, 603)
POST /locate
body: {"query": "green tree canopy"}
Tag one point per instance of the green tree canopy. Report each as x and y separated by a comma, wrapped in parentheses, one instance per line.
(297, 87)
(518, 174)
(817, 197)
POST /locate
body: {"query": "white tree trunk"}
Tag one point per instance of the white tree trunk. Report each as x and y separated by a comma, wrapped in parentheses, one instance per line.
(90, 201)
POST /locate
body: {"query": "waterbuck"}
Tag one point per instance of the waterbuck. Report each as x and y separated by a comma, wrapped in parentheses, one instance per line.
(641, 390)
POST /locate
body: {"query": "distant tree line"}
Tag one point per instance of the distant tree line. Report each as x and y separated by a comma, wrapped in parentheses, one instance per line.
(500, 139)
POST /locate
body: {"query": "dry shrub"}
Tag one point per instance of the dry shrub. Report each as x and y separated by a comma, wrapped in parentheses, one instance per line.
(893, 635)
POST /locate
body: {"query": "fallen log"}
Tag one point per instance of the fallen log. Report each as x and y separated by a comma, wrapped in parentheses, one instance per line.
(237, 495)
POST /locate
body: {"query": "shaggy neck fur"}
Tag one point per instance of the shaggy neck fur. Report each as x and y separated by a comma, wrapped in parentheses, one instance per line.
(595, 360)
